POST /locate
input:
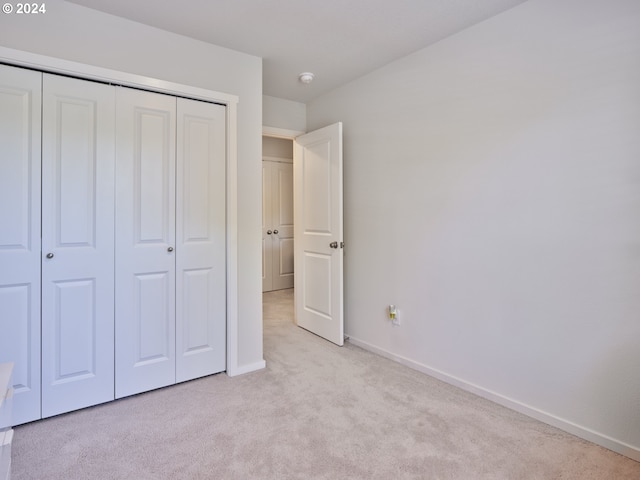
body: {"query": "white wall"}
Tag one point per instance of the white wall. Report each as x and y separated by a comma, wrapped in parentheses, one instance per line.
(284, 114)
(277, 147)
(79, 34)
(492, 192)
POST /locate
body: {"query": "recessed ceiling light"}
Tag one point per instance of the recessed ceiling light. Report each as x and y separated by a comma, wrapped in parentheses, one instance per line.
(306, 77)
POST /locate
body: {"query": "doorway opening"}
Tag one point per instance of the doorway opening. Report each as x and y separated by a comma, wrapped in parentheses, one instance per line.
(277, 213)
(318, 256)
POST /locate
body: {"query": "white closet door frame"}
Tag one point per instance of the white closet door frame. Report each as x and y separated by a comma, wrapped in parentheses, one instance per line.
(56, 65)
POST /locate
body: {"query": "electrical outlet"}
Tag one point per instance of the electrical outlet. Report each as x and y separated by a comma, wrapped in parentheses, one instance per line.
(393, 315)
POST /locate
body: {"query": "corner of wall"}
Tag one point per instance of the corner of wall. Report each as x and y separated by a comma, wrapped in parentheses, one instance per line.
(284, 114)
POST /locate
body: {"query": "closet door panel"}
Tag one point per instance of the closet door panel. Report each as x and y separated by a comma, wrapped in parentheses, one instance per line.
(277, 218)
(145, 241)
(267, 228)
(20, 134)
(282, 220)
(153, 318)
(77, 243)
(201, 240)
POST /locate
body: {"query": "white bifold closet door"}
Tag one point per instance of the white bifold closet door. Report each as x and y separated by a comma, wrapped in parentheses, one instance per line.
(170, 243)
(112, 240)
(145, 241)
(77, 244)
(201, 240)
(20, 107)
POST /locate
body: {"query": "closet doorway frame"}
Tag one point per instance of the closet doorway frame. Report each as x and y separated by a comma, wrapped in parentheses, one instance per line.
(19, 58)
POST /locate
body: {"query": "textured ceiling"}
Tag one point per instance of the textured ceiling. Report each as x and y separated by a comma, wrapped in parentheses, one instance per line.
(337, 40)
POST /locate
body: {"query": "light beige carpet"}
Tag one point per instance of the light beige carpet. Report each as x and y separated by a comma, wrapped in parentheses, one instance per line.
(317, 412)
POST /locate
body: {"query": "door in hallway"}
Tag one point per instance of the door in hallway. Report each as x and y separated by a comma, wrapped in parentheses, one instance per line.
(277, 225)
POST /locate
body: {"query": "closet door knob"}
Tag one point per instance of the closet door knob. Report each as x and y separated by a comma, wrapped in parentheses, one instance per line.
(269, 232)
(49, 255)
(170, 249)
(275, 232)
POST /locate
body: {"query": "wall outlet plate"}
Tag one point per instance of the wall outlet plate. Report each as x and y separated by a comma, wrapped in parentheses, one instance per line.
(393, 315)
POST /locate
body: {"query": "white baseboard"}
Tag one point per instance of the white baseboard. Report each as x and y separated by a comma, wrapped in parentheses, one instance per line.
(570, 427)
(242, 369)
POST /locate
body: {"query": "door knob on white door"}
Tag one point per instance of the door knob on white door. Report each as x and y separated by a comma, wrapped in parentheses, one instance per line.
(269, 232)
(333, 245)
(49, 255)
(275, 232)
(170, 249)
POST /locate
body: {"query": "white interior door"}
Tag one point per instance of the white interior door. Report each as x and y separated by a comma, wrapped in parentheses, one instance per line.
(145, 241)
(277, 225)
(20, 122)
(77, 244)
(201, 315)
(267, 229)
(318, 226)
(282, 221)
